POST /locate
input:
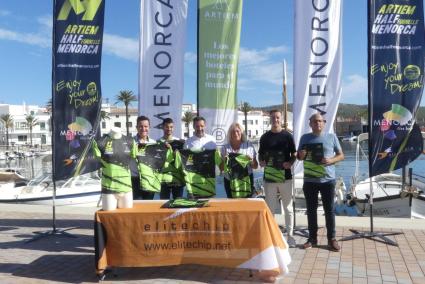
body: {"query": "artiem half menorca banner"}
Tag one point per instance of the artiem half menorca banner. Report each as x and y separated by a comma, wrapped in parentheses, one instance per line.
(396, 77)
(77, 48)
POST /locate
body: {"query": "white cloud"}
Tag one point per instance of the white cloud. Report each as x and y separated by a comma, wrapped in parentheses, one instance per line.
(27, 38)
(265, 65)
(124, 47)
(4, 13)
(190, 57)
(46, 22)
(354, 89)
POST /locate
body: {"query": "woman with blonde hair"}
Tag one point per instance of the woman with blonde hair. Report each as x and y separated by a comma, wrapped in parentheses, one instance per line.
(238, 146)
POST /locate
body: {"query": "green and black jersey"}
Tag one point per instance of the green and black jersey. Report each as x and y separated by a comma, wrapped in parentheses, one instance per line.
(151, 159)
(237, 167)
(274, 171)
(199, 170)
(115, 156)
(171, 175)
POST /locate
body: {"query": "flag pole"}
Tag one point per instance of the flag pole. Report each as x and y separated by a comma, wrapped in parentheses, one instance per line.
(285, 99)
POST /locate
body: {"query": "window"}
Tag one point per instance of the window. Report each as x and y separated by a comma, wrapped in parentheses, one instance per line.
(22, 138)
(42, 126)
(256, 122)
(117, 124)
(103, 125)
(130, 124)
(117, 116)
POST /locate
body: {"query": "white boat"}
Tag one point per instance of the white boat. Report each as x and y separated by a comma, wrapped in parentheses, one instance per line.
(391, 198)
(10, 179)
(349, 139)
(81, 189)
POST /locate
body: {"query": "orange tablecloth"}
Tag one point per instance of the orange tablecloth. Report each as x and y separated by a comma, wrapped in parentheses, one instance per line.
(231, 233)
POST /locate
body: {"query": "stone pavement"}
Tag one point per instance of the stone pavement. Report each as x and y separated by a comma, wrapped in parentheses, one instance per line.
(58, 259)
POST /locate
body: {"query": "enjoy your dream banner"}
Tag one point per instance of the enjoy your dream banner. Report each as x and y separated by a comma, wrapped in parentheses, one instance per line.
(396, 77)
(76, 92)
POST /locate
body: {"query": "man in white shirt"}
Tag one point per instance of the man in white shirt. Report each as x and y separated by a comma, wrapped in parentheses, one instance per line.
(200, 141)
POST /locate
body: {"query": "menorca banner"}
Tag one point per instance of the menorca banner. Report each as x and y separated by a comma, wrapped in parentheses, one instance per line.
(76, 92)
(396, 77)
(161, 75)
(317, 63)
(219, 27)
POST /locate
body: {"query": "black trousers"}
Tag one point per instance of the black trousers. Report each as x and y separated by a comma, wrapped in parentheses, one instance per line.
(139, 194)
(311, 193)
(167, 190)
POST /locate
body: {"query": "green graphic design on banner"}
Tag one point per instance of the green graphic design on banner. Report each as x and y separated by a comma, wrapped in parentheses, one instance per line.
(218, 53)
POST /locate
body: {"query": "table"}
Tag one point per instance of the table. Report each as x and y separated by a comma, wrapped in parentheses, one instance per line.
(238, 233)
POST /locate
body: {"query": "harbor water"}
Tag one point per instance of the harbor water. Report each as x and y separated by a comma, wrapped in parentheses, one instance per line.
(30, 167)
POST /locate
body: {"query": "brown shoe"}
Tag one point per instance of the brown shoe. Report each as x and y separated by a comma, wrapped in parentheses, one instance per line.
(333, 245)
(309, 244)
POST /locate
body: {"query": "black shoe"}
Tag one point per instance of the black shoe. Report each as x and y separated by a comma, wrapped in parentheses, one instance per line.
(310, 244)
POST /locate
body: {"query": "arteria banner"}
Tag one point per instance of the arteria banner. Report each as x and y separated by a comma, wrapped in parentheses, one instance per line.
(219, 27)
(162, 45)
(76, 92)
(317, 63)
(396, 78)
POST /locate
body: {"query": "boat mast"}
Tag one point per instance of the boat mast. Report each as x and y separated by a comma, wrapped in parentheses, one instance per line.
(285, 99)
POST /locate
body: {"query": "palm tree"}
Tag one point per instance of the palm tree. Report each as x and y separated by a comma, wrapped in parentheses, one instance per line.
(8, 123)
(126, 97)
(245, 108)
(187, 119)
(31, 122)
(104, 115)
(49, 106)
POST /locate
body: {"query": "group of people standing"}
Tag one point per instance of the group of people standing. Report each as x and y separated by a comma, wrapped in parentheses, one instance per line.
(127, 163)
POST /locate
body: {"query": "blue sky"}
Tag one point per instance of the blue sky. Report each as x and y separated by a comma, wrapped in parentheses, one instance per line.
(266, 39)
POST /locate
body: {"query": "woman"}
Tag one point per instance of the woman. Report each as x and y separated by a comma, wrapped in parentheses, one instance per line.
(238, 144)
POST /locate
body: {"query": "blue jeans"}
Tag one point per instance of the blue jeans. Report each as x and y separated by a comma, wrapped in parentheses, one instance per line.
(311, 193)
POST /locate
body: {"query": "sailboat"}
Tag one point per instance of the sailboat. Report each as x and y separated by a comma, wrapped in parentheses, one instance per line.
(391, 197)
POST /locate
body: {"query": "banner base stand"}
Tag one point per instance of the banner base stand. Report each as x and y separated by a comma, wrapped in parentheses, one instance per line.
(53, 232)
(374, 236)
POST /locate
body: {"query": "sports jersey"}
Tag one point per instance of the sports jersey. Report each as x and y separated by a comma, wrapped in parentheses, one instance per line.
(151, 158)
(115, 156)
(170, 174)
(199, 170)
(237, 168)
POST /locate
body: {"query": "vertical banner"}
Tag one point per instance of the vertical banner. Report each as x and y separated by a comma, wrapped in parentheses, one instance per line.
(161, 69)
(317, 63)
(396, 78)
(219, 27)
(76, 92)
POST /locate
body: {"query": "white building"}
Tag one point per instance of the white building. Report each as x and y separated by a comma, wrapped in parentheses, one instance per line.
(19, 134)
(257, 120)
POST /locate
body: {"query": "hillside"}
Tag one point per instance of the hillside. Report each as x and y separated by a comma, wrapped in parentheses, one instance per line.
(350, 111)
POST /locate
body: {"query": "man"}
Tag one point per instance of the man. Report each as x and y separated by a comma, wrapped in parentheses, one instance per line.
(172, 178)
(201, 140)
(277, 154)
(142, 137)
(320, 151)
